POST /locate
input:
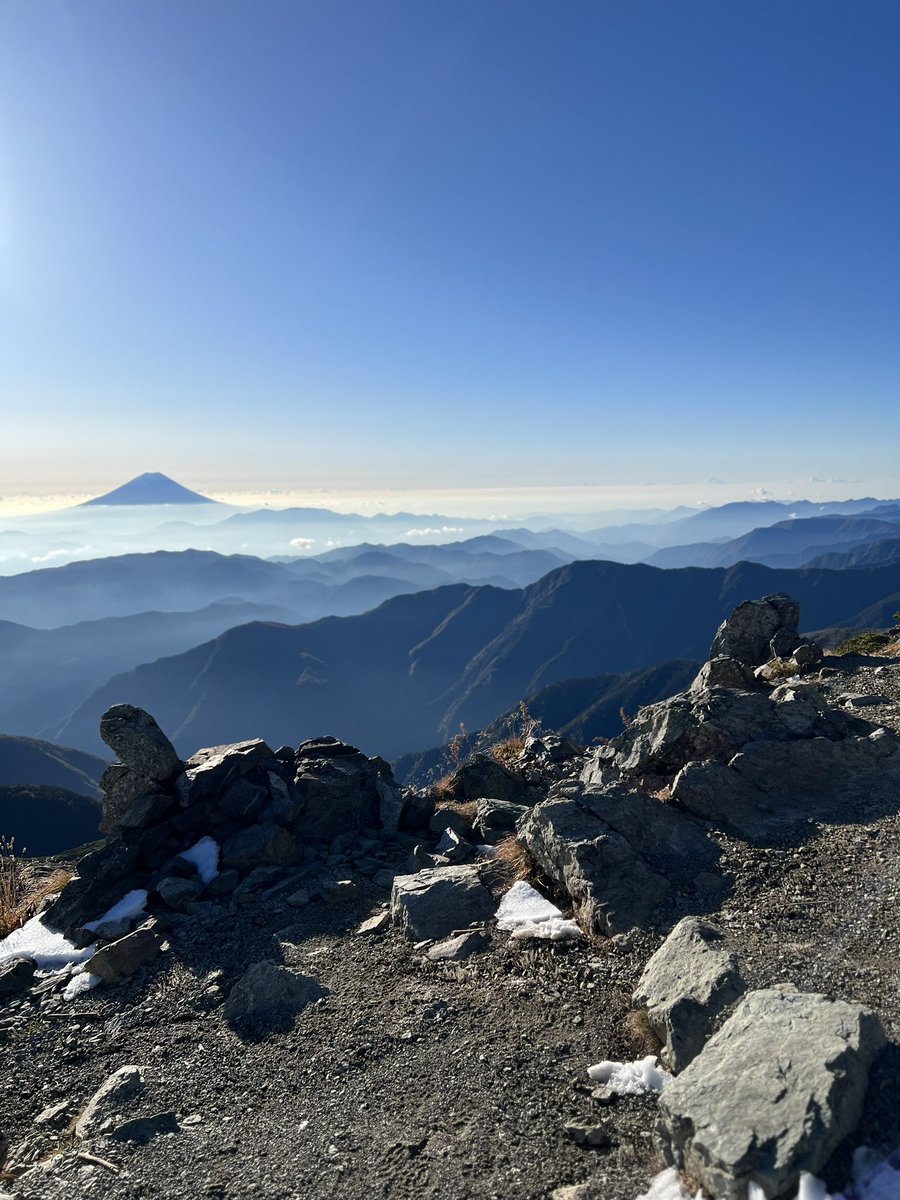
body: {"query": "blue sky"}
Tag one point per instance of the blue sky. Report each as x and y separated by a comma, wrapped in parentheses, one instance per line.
(468, 244)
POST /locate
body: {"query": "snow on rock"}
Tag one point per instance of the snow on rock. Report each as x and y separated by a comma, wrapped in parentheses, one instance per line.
(525, 913)
(633, 1078)
(205, 857)
(132, 904)
(667, 1186)
(82, 981)
(51, 951)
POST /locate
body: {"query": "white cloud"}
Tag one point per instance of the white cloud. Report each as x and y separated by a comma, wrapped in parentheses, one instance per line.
(433, 532)
(302, 543)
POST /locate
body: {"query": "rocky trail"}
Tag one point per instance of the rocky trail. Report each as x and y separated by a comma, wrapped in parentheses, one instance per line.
(336, 1012)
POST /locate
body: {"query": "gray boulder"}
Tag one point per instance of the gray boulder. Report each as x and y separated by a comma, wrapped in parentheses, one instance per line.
(483, 776)
(724, 672)
(493, 817)
(759, 630)
(137, 741)
(686, 985)
(461, 947)
(338, 790)
(178, 893)
(16, 975)
(436, 902)
(267, 998)
(622, 857)
(109, 1100)
(265, 845)
(122, 958)
(771, 1095)
(212, 769)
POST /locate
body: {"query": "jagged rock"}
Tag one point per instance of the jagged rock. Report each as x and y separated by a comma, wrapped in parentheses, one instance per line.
(686, 985)
(16, 975)
(137, 741)
(588, 1132)
(375, 924)
(103, 877)
(450, 817)
(339, 891)
(723, 672)
(807, 655)
(122, 958)
(621, 856)
(223, 884)
(121, 790)
(115, 1091)
(434, 903)
(260, 845)
(146, 809)
(453, 848)
(211, 770)
(267, 998)
(336, 790)
(759, 630)
(458, 948)
(391, 803)
(179, 893)
(772, 784)
(481, 777)
(497, 816)
(242, 800)
(772, 1093)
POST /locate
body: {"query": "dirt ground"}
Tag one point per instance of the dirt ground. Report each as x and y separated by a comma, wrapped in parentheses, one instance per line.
(418, 1079)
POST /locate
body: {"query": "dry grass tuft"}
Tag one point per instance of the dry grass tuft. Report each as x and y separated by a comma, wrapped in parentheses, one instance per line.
(640, 1033)
(507, 752)
(514, 858)
(21, 892)
(466, 808)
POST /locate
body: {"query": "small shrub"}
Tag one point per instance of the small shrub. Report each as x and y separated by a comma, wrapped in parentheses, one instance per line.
(870, 642)
(20, 892)
(627, 721)
(640, 1033)
(466, 808)
(514, 858)
(460, 746)
(507, 752)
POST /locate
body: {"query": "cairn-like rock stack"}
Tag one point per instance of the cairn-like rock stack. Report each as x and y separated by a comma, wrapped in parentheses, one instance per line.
(262, 809)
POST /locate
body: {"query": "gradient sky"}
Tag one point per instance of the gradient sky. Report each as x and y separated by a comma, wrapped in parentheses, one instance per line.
(453, 244)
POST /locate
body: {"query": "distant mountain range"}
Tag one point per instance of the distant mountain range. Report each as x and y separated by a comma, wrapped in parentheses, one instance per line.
(404, 675)
(150, 488)
(49, 799)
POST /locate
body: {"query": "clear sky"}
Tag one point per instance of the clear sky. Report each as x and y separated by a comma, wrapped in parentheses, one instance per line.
(448, 243)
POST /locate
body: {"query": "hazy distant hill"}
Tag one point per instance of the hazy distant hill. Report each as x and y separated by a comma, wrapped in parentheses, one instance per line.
(406, 674)
(48, 672)
(872, 554)
(47, 820)
(32, 761)
(787, 543)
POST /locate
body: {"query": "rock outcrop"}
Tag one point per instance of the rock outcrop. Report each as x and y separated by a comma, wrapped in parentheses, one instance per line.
(632, 846)
(772, 1094)
(262, 810)
(686, 986)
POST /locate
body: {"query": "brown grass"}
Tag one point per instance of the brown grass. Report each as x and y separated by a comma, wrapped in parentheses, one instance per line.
(21, 892)
(640, 1034)
(466, 808)
(507, 752)
(514, 858)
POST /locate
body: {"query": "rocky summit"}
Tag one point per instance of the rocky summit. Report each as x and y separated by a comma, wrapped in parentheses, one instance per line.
(662, 963)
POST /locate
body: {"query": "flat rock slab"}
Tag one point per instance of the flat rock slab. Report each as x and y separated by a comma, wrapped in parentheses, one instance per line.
(772, 1093)
(434, 903)
(685, 986)
(122, 958)
(110, 1098)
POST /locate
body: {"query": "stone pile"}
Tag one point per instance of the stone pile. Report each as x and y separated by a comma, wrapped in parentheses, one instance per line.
(265, 811)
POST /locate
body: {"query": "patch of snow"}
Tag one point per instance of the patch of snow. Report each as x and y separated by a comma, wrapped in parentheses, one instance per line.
(667, 1186)
(51, 951)
(205, 857)
(132, 904)
(525, 913)
(633, 1078)
(82, 981)
(874, 1178)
